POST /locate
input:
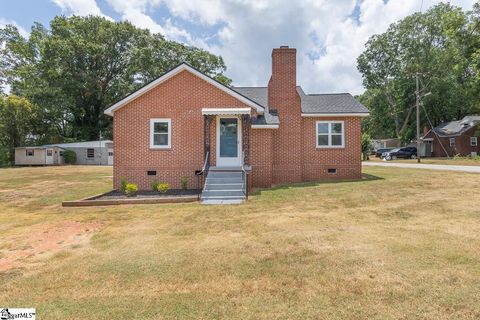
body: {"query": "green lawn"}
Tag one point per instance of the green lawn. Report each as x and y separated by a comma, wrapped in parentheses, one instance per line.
(400, 244)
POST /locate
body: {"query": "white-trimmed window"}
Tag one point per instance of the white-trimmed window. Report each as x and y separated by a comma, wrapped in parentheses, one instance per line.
(30, 152)
(160, 133)
(90, 153)
(330, 134)
(452, 142)
(473, 141)
(49, 153)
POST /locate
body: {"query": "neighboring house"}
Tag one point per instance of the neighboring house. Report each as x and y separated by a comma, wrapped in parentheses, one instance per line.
(455, 137)
(385, 143)
(91, 152)
(88, 152)
(39, 156)
(168, 128)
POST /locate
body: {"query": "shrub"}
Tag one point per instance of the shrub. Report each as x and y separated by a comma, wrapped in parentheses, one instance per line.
(131, 189)
(155, 184)
(184, 182)
(163, 187)
(69, 157)
(123, 184)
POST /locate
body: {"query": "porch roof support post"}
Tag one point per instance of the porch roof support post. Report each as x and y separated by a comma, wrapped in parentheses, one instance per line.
(207, 119)
(246, 123)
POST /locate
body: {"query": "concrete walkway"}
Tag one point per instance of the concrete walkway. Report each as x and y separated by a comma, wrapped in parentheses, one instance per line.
(474, 169)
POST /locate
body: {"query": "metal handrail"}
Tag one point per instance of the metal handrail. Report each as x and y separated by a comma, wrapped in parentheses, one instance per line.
(245, 176)
(202, 173)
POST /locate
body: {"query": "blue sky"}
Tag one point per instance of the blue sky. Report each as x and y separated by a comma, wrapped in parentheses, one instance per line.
(328, 34)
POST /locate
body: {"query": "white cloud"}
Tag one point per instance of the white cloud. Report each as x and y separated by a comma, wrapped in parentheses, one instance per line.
(323, 29)
(21, 30)
(80, 7)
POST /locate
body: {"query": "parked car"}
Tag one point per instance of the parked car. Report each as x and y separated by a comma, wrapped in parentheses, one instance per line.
(400, 153)
(380, 152)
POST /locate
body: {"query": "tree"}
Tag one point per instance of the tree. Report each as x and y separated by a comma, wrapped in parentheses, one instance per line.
(81, 65)
(17, 115)
(438, 45)
(366, 145)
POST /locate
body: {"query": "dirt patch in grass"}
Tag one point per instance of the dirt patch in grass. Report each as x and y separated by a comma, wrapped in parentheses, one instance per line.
(45, 240)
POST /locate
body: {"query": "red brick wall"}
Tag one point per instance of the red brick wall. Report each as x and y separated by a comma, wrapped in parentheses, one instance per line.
(261, 155)
(181, 99)
(462, 144)
(346, 160)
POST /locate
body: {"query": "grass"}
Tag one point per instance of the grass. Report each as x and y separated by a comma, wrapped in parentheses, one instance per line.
(455, 161)
(399, 244)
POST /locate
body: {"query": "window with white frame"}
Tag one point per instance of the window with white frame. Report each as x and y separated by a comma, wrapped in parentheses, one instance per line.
(330, 134)
(473, 141)
(29, 152)
(90, 153)
(452, 142)
(49, 153)
(160, 133)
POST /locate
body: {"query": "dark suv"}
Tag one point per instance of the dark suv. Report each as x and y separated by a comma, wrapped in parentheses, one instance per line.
(404, 153)
(380, 152)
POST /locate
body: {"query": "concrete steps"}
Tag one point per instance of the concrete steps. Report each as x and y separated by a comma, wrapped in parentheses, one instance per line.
(223, 187)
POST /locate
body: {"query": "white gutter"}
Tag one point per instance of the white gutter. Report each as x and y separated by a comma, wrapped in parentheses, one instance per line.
(225, 111)
(265, 126)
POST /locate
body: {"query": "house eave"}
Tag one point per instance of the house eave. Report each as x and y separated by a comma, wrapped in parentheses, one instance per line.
(340, 114)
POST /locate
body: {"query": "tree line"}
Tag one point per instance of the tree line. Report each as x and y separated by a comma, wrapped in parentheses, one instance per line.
(442, 45)
(63, 77)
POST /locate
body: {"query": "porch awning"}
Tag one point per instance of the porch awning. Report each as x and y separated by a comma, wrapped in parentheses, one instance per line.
(225, 111)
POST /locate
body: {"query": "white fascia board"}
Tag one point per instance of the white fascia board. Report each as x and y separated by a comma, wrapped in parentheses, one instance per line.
(265, 126)
(225, 111)
(335, 114)
(174, 72)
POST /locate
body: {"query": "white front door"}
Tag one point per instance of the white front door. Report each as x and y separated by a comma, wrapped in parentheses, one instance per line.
(110, 157)
(49, 156)
(229, 141)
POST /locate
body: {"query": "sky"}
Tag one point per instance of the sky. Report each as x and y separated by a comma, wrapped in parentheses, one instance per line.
(329, 34)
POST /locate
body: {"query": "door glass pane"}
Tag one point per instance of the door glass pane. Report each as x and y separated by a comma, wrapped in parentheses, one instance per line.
(228, 138)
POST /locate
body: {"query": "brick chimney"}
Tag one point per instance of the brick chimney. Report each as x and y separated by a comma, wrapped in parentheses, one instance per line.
(282, 96)
(282, 84)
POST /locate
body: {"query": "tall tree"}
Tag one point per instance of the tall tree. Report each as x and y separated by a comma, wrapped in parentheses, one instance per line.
(81, 65)
(437, 45)
(17, 116)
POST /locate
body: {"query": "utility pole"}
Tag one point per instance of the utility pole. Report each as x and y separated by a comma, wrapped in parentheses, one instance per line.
(417, 103)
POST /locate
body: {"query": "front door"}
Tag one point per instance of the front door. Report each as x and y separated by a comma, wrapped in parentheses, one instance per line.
(229, 142)
(110, 157)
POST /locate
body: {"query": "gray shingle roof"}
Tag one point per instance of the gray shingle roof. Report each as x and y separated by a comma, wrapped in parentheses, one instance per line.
(330, 103)
(260, 96)
(455, 128)
(311, 103)
(257, 94)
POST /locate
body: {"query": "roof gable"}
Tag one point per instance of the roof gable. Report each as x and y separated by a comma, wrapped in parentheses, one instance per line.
(169, 74)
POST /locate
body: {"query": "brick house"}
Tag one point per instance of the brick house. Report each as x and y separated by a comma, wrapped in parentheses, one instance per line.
(185, 122)
(455, 137)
